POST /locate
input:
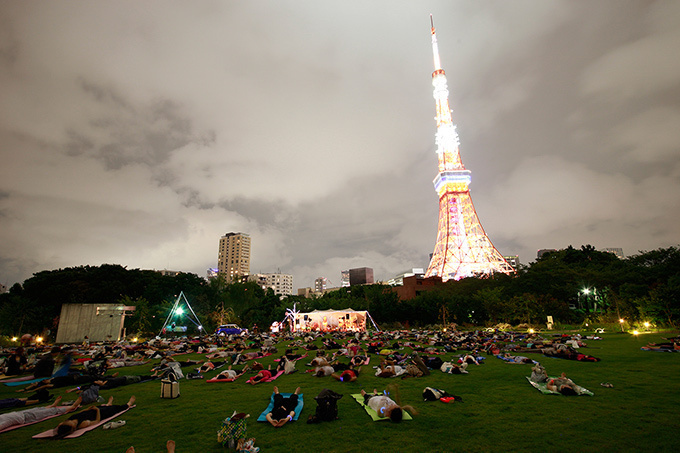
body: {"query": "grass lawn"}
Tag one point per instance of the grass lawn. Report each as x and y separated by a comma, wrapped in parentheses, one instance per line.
(501, 411)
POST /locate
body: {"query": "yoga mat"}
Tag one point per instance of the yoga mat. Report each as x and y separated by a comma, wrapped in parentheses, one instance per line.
(298, 408)
(10, 428)
(373, 414)
(50, 432)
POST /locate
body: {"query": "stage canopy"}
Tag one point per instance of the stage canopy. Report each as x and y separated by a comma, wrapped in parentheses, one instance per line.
(346, 320)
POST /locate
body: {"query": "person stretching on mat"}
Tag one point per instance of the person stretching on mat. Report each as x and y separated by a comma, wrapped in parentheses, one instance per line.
(284, 408)
(385, 407)
(90, 416)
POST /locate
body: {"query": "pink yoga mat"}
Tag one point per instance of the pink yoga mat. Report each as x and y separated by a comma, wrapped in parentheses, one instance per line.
(50, 432)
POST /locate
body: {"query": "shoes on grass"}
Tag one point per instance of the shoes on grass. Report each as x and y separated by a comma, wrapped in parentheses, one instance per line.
(114, 425)
(606, 384)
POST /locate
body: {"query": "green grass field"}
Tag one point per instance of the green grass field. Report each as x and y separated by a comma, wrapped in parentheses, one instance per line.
(501, 411)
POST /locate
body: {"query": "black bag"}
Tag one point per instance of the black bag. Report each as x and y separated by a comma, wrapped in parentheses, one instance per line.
(434, 363)
(326, 407)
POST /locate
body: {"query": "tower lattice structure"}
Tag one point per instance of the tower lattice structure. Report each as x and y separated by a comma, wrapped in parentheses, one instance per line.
(463, 249)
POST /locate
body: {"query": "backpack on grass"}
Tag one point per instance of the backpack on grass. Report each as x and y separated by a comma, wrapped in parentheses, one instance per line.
(326, 407)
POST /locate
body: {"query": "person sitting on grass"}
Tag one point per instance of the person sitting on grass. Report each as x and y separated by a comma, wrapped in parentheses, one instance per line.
(16, 363)
(386, 407)
(90, 416)
(284, 408)
(36, 414)
(538, 374)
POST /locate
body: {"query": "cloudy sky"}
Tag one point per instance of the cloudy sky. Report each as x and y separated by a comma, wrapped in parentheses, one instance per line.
(138, 133)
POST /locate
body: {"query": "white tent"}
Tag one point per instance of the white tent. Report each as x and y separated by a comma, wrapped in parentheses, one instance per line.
(346, 320)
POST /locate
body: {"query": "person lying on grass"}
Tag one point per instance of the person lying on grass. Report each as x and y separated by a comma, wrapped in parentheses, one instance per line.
(358, 359)
(90, 416)
(41, 396)
(349, 375)
(322, 371)
(245, 356)
(668, 346)
(111, 382)
(209, 366)
(230, 374)
(36, 414)
(319, 360)
(284, 408)
(261, 376)
(467, 358)
(389, 369)
(386, 407)
(61, 381)
(562, 384)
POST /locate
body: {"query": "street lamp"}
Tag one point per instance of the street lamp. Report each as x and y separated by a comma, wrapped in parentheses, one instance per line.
(586, 293)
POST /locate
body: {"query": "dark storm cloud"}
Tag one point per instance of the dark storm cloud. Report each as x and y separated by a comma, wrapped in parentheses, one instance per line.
(141, 134)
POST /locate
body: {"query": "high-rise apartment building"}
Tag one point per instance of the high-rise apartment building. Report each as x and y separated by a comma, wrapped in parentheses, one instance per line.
(320, 284)
(281, 284)
(233, 259)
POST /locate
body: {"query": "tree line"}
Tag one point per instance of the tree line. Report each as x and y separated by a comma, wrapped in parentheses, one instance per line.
(571, 285)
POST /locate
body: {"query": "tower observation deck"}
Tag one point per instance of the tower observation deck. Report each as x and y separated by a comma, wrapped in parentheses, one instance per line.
(463, 249)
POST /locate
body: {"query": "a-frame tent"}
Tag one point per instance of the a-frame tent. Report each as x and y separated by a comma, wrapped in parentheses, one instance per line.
(177, 313)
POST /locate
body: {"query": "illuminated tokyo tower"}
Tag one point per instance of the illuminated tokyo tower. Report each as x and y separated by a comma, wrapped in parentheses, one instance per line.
(463, 248)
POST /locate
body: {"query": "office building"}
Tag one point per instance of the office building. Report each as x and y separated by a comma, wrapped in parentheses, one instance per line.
(361, 276)
(233, 259)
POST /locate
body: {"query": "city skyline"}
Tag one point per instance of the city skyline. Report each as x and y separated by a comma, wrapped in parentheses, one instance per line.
(138, 133)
